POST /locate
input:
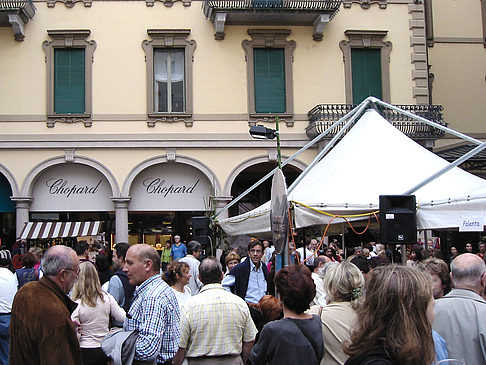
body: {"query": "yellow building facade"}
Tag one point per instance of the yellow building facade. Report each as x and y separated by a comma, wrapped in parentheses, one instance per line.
(137, 113)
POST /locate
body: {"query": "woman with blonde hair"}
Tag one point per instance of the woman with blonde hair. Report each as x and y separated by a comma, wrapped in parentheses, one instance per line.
(93, 313)
(396, 317)
(343, 285)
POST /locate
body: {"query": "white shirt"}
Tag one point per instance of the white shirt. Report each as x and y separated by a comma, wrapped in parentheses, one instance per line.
(8, 285)
(182, 297)
(308, 253)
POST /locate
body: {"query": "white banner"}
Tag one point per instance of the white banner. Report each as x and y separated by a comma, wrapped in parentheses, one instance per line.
(471, 224)
(170, 187)
(71, 188)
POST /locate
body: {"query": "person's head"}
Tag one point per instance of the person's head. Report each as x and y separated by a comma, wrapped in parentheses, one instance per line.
(177, 272)
(61, 264)
(469, 247)
(177, 239)
(365, 252)
(416, 254)
(454, 250)
(319, 262)
(295, 288)
(397, 311)
(5, 258)
(210, 271)
(87, 288)
(29, 260)
(232, 259)
(167, 244)
(102, 262)
(313, 244)
(468, 272)
(329, 251)
(81, 248)
(194, 248)
(439, 272)
(357, 250)
(363, 265)
(119, 254)
(343, 282)
(270, 308)
(255, 252)
(266, 243)
(141, 262)
(482, 247)
(37, 251)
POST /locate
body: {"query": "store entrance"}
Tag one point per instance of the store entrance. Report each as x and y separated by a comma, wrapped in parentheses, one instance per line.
(157, 228)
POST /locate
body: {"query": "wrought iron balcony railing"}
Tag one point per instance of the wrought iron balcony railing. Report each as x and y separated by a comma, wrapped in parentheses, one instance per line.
(16, 13)
(316, 13)
(322, 116)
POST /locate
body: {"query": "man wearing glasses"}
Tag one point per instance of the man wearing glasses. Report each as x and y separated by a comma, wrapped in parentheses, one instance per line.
(41, 329)
(248, 279)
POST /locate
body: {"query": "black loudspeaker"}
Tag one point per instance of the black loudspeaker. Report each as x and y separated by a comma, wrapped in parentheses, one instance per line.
(203, 240)
(398, 221)
(200, 226)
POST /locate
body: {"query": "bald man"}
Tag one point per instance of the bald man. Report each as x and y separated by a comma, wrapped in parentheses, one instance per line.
(460, 315)
(154, 312)
(41, 329)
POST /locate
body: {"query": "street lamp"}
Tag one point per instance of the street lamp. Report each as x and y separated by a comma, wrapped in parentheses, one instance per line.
(262, 132)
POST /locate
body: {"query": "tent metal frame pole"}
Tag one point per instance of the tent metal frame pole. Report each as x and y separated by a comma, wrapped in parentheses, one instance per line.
(332, 142)
(304, 148)
(428, 122)
(442, 171)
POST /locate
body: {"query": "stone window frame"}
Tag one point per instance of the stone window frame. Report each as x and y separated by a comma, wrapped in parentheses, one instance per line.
(169, 38)
(366, 39)
(269, 38)
(69, 38)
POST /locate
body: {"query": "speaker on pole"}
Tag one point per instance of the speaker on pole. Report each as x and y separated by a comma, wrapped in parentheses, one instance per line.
(200, 230)
(398, 221)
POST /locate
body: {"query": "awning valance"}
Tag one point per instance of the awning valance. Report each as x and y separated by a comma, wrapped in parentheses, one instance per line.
(39, 230)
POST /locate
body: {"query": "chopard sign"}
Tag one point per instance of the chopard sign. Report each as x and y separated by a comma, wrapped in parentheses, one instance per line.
(159, 186)
(61, 187)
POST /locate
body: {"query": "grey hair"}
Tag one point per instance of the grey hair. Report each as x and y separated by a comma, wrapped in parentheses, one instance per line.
(210, 271)
(469, 276)
(53, 262)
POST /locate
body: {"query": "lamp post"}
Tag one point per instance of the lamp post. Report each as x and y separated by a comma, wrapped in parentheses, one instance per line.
(279, 203)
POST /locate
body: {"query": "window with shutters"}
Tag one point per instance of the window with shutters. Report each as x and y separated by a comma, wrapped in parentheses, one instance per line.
(69, 58)
(269, 57)
(169, 57)
(366, 65)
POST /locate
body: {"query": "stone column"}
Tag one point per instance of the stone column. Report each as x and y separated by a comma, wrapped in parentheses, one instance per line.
(22, 205)
(221, 202)
(121, 219)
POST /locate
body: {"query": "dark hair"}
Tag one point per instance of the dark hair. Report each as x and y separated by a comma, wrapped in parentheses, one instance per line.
(254, 243)
(362, 263)
(418, 253)
(102, 262)
(295, 287)
(80, 247)
(193, 246)
(210, 271)
(121, 249)
(175, 268)
(29, 260)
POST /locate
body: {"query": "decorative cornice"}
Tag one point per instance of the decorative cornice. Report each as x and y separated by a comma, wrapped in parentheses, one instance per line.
(365, 4)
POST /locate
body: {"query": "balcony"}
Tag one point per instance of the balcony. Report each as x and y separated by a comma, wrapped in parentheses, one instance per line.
(315, 13)
(322, 116)
(15, 14)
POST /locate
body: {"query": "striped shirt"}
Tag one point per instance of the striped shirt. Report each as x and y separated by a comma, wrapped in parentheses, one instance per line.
(215, 323)
(155, 315)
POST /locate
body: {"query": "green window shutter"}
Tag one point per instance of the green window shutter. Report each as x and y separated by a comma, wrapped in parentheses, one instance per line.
(269, 64)
(69, 88)
(366, 73)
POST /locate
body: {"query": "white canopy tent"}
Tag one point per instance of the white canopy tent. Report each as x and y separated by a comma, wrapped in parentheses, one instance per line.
(372, 159)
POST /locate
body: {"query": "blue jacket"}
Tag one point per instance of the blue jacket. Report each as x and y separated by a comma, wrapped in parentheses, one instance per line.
(241, 272)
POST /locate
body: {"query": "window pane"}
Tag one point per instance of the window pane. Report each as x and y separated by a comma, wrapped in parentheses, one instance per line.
(269, 66)
(366, 73)
(169, 80)
(69, 88)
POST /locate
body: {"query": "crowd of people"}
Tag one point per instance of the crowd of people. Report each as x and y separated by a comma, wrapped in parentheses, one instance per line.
(70, 308)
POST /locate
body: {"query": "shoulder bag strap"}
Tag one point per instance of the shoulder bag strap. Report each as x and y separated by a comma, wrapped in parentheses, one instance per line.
(314, 347)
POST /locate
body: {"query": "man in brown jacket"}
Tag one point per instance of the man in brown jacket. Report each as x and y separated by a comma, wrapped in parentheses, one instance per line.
(41, 331)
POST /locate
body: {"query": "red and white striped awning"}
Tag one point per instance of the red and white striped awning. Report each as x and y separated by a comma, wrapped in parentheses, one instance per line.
(39, 230)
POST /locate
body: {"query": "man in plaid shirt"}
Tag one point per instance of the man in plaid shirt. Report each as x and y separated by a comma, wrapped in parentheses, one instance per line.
(154, 312)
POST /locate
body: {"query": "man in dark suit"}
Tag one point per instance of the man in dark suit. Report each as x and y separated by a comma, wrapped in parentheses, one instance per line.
(248, 279)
